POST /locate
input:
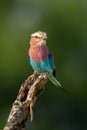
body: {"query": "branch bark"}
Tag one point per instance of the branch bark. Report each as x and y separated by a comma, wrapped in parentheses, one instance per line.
(24, 103)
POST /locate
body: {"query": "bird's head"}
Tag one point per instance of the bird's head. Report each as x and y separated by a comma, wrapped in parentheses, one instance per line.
(38, 38)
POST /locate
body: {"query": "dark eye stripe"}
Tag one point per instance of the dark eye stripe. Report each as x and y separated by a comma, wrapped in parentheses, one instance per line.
(36, 37)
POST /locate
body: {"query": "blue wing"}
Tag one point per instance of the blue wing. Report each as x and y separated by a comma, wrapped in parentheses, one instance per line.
(51, 61)
(29, 58)
(49, 65)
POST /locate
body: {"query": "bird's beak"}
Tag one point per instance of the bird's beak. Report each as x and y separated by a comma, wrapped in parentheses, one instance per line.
(44, 38)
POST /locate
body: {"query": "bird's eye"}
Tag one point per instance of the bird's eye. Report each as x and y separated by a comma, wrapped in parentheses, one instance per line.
(36, 36)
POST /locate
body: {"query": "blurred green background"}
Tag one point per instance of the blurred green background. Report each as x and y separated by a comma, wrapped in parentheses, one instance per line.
(65, 22)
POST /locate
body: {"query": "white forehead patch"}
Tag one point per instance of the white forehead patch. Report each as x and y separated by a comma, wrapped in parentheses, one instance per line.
(39, 34)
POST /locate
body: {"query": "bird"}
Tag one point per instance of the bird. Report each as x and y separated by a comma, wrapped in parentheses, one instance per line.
(40, 57)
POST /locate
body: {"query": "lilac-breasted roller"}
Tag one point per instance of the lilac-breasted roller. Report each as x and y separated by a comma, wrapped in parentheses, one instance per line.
(40, 57)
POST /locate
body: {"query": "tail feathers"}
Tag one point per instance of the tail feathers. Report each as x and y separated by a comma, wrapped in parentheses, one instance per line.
(54, 81)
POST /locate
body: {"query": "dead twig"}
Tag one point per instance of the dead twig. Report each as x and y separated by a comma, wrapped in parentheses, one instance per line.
(24, 103)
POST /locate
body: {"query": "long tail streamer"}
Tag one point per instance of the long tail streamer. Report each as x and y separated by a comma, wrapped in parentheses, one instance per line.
(56, 83)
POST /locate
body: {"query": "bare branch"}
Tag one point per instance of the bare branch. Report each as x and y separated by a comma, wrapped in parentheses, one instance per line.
(24, 103)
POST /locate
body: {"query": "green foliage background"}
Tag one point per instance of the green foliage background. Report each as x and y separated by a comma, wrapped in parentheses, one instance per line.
(65, 22)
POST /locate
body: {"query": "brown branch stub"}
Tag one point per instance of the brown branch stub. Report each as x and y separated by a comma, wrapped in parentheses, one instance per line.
(24, 103)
